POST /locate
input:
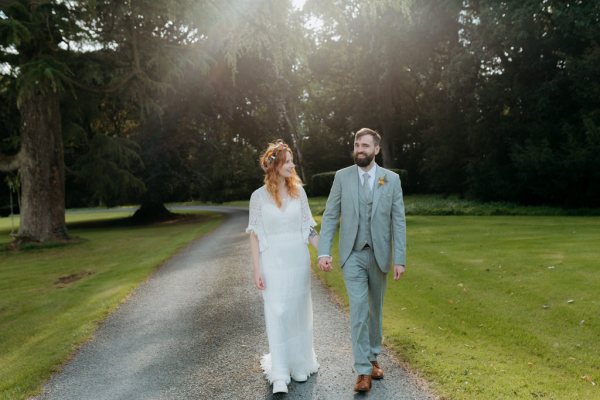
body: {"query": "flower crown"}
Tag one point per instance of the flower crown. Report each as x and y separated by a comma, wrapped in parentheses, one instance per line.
(273, 153)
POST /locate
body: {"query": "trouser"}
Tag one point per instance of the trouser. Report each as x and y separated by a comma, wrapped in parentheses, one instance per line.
(365, 284)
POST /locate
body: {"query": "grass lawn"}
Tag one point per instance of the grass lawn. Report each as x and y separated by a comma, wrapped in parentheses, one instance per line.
(52, 299)
(498, 307)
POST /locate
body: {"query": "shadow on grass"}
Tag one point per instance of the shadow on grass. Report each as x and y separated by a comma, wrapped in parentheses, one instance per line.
(19, 245)
(135, 222)
(100, 224)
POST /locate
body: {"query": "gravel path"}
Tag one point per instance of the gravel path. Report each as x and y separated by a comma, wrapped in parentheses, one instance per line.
(195, 330)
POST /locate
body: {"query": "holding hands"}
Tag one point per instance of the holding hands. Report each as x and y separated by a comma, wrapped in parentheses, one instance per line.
(325, 263)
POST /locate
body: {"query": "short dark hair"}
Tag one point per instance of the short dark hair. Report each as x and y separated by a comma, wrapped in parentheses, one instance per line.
(366, 131)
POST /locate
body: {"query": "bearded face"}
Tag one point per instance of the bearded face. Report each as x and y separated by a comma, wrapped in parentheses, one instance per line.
(362, 158)
(365, 150)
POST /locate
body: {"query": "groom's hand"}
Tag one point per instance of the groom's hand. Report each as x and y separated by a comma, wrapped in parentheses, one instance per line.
(325, 263)
(398, 271)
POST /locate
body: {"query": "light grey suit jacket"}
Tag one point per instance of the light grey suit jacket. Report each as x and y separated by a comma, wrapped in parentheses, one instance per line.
(388, 224)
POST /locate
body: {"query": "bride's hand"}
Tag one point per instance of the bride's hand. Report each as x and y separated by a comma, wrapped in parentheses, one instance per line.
(258, 281)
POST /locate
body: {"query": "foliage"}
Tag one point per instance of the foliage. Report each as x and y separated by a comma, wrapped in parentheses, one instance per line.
(453, 205)
(9, 138)
(531, 108)
(106, 168)
(320, 184)
(493, 101)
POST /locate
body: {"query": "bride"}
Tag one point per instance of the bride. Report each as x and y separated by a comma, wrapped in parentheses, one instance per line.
(280, 227)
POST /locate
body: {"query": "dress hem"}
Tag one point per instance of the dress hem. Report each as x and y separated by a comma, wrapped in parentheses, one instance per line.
(265, 364)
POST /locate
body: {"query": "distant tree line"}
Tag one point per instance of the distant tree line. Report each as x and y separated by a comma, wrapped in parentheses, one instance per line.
(105, 103)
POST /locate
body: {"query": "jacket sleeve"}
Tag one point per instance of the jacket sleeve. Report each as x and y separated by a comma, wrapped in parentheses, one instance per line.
(331, 217)
(255, 221)
(398, 223)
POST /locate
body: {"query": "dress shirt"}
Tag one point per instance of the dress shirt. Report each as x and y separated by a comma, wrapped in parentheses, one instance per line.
(372, 174)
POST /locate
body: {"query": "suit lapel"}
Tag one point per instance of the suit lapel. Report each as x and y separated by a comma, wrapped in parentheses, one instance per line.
(354, 187)
(377, 188)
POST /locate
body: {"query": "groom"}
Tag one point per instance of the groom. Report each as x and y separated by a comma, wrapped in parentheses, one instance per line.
(368, 200)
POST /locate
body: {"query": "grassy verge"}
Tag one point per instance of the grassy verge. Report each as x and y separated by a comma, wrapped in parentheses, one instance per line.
(498, 307)
(52, 299)
(452, 205)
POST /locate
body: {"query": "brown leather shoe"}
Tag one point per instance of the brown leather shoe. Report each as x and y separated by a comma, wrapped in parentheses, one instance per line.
(377, 372)
(363, 383)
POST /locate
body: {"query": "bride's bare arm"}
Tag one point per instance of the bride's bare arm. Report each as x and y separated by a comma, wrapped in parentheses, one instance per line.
(254, 248)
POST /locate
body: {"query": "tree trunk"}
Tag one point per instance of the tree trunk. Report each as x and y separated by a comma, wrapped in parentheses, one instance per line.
(291, 127)
(386, 144)
(153, 136)
(42, 170)
(152, 210)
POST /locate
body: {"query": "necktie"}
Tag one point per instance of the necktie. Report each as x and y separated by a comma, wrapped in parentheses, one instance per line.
(366, 186)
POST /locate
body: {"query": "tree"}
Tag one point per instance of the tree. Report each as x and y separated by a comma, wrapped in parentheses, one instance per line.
(380, 64)
(272, 31)
(533, 118)
(46, 46)
(102, 160)
(30, 34)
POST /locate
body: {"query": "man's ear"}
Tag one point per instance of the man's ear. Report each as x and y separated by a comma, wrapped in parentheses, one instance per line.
(377, 148)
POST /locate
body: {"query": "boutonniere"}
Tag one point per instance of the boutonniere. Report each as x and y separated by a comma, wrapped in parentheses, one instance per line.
(381, 181)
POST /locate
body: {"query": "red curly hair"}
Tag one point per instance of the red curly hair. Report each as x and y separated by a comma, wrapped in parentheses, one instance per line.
(270, 161)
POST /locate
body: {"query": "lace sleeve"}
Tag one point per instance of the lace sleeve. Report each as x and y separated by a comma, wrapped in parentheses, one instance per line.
(308, 223)
(255, 221)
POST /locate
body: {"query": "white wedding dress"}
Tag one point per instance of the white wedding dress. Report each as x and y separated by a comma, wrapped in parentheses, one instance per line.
(285, 266)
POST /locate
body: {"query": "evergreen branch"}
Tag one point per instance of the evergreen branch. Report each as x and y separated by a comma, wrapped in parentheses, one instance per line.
(13, 32)
(109, 89)
(136, 69)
